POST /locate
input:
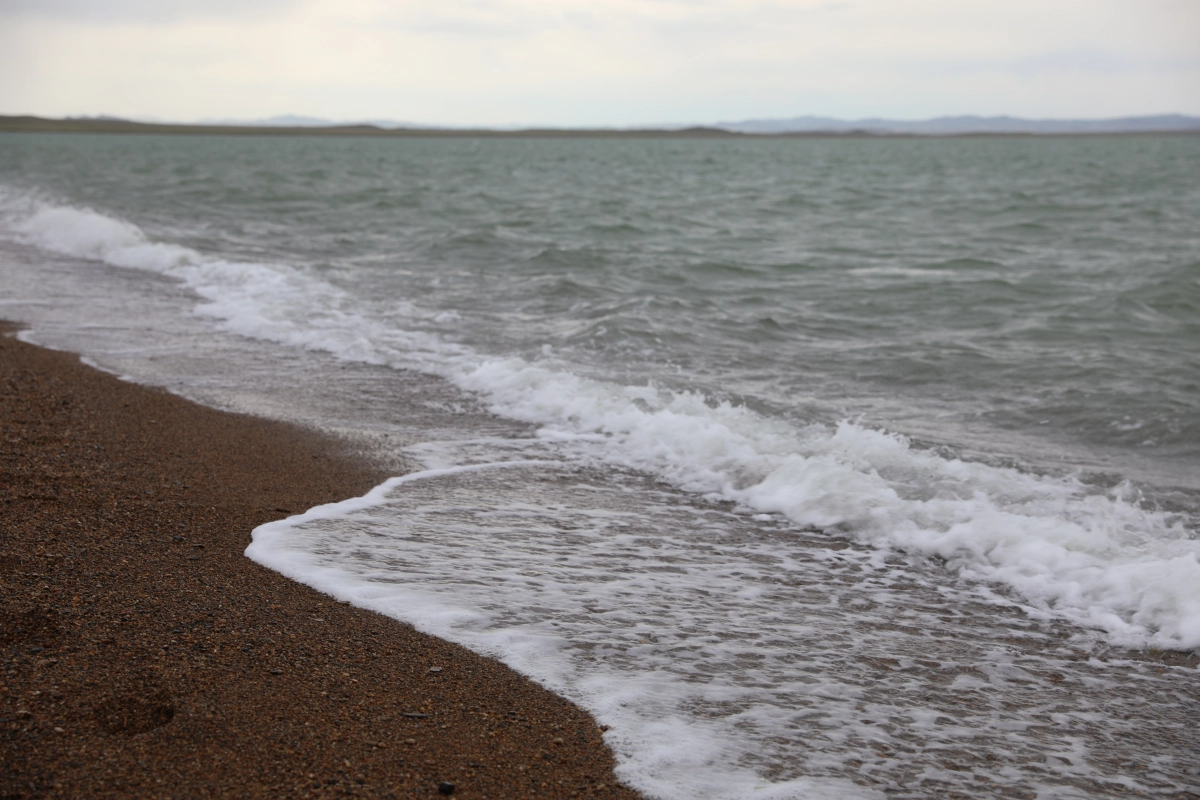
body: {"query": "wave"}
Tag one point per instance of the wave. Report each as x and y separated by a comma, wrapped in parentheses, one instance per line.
(1101, 558)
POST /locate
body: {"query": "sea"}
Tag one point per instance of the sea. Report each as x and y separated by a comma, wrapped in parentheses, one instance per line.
(812, 468)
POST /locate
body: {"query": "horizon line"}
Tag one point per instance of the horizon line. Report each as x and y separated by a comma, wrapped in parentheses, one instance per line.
(807, 125)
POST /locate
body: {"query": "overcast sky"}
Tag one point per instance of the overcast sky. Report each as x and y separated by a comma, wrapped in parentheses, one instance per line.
(598, 62)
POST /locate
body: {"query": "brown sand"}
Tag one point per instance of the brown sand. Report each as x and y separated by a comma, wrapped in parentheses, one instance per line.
(145, 656)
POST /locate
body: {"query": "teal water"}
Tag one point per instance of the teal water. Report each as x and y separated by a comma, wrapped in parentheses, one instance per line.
(1034, 298)
(702, 433)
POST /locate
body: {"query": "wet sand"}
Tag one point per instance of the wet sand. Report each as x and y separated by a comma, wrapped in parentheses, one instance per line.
(145, 656)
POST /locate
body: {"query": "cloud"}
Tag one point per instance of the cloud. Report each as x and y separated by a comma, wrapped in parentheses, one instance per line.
(146, 11)
(485, 18)
(597, 61)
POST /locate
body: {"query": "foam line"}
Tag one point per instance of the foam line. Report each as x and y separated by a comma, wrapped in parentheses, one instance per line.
(1098, 557)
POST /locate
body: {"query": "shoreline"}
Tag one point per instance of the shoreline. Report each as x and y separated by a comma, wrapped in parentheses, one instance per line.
(33, 124)
(146, 656)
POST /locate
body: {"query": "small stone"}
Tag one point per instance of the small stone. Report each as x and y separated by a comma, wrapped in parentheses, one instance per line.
(276, 671)
(414, 715)
(59, 730)
(435, 669)
(446, 787)
(410, 741)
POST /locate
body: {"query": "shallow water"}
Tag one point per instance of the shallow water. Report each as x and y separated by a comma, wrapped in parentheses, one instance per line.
(736, 657)
(813, 468)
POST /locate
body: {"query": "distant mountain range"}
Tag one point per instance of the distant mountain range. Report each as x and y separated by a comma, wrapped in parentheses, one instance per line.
(293, 124)
(940, 126)
(947, 126)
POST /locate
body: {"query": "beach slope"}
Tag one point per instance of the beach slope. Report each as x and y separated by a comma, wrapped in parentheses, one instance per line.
(145, 656)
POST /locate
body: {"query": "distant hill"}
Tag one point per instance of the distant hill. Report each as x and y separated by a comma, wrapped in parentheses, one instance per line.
(288, 127)
(940, 126)
(300, 121)
(949, 126)
(788, 128)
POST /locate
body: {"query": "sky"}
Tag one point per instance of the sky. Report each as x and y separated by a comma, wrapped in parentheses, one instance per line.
(576, 63)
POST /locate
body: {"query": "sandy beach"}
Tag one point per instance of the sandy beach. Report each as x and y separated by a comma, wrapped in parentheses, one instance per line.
(145, 656)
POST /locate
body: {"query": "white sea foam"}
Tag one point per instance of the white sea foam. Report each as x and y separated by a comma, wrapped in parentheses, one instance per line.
(732, 657)
(1096, 558)
(576, 611)
(87, 234)
(275, 302)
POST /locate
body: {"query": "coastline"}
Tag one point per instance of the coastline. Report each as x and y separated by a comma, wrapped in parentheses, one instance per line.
(147, 657)
(32, 124)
